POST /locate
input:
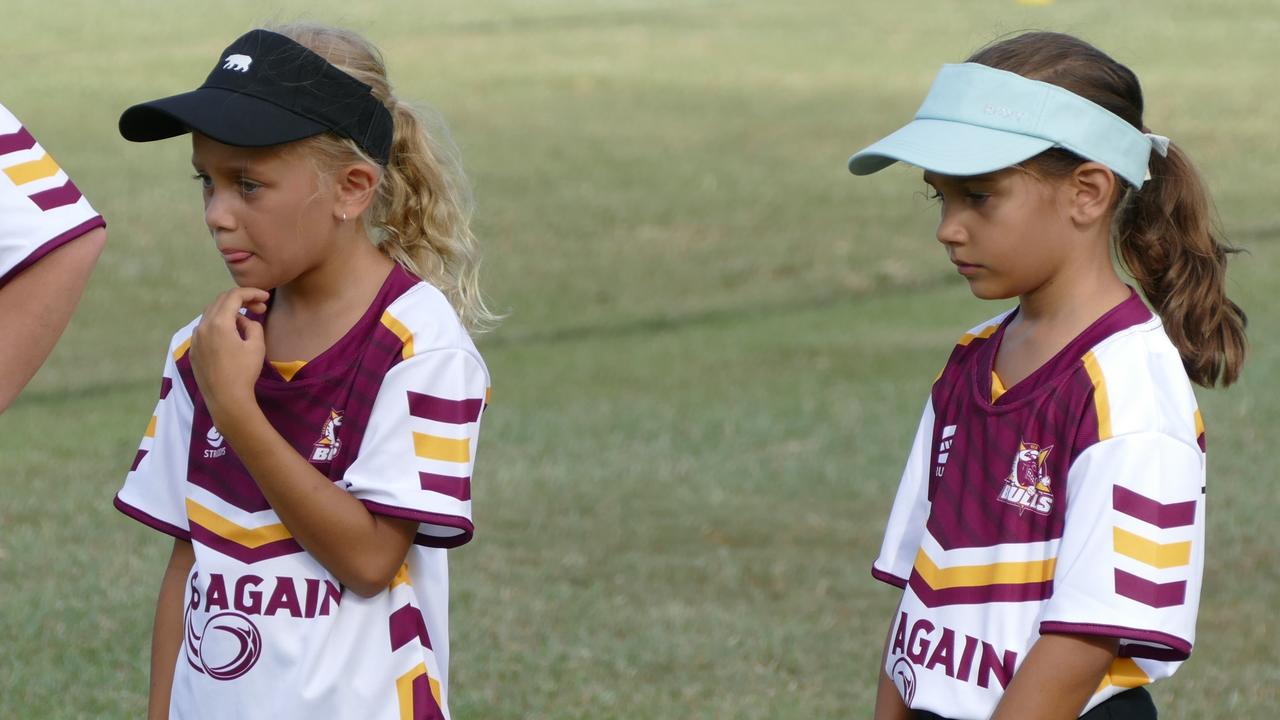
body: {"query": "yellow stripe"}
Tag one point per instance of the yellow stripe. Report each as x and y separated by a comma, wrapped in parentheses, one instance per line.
(982, 334)
(288, 368)
(1150, 552)
(404, 690)
(182, 350)
(402, 576)
(1009, 573)
(26, 172)
(1199, 423)
(400, 331)
(1125, 673)
(997, 387)
(434, 447)
(1100, 402)
(248, 537)
(488, 395)
(151, 428)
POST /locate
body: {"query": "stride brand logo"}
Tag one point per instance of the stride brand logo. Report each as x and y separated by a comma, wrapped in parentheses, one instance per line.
(944, 449)
(214, 438)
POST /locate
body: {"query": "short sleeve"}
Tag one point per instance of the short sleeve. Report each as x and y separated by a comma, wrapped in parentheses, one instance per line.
(419, 448)
(1132, 552)
(910, 511)
(40, 208)
(153, 491)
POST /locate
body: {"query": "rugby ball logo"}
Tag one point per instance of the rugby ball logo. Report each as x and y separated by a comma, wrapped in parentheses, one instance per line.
(228, 647)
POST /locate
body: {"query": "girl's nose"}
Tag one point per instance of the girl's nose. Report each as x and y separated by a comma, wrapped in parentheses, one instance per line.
(217, 213)
(950, 230)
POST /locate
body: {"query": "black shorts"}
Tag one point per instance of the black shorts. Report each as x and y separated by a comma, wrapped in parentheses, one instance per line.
(1132, 704)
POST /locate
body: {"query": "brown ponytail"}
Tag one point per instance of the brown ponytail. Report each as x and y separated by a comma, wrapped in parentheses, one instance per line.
(1165, 240)
(1163, 231)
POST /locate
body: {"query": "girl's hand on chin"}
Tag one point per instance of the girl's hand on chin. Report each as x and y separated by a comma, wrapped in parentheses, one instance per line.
(227, 351)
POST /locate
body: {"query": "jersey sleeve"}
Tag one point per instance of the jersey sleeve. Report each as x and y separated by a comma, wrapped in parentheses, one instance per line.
(416, 457)
(40, 208)
(910, 511)
(1132, 552)
(153, 491)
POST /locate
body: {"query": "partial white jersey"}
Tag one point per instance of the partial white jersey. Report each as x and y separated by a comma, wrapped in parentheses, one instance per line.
(40, 208)
(391, 414)
(1072, 502)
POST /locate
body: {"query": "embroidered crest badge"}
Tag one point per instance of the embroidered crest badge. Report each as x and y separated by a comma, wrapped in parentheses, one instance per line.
(326, 448)
(1028, 486)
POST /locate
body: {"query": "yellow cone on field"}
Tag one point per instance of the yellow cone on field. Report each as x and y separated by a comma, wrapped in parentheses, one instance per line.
(1034, 2)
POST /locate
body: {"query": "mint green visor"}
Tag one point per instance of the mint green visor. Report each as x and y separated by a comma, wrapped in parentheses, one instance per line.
(977, 120)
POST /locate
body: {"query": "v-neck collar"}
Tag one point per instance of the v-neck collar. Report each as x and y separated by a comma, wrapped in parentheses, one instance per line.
(337, 357)
(1129, 312)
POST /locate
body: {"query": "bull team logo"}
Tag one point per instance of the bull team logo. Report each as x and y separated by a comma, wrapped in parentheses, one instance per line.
(326, 448)
(228, 646)
(1028, 486)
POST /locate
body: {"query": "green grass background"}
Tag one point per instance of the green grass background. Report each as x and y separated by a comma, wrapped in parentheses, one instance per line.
(717, 347)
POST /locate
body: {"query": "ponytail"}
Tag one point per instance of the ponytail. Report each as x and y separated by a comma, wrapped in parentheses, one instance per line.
(1163, 234)
(1165, 240)
(421, 214)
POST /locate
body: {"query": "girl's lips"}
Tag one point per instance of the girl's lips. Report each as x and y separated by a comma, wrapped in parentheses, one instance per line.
(235, 256)
(967, 270)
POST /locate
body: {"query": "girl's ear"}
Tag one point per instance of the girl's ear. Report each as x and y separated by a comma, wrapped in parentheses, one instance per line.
(1091, 191)
(354, 188)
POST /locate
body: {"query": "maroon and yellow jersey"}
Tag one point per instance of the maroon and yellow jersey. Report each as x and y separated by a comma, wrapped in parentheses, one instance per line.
(1072, 502)
(390, 413)
(40, 208)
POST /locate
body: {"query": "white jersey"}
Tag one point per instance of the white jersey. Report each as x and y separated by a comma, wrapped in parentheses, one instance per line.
(40, 208)
(390, 413)
(1072, 502)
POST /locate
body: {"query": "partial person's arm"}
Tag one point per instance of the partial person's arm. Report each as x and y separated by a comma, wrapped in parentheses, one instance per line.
(166, 635)
(362, 549)
(1057, 678)
(36, 305)
(889, 705)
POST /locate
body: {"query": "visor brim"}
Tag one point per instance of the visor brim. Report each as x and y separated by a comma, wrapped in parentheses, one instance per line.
(948, 148)
(231, 118)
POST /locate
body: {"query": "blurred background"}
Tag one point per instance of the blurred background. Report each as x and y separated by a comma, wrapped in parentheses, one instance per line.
(718, 344)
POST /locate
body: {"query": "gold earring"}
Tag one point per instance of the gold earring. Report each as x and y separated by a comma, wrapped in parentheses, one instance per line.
(344, 217)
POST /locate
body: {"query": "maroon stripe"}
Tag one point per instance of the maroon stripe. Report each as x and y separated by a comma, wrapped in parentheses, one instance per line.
(15, 141)
(1014, 592)
(458, 412)
(51, 245)
(1163, 515)
(406, 625)
(455, 487)
(1200, 441)
(424, 703)
(1157, 595)
(246, 555)
(165, 386)
(428, 518)
(150, 520)
(885, 577)
(1177, 648)
(67, 194)
(137, 459)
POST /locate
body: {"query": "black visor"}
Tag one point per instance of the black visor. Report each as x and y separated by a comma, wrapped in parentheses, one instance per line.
(266, 90)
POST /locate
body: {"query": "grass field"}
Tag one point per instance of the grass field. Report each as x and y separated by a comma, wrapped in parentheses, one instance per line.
(717, 347)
